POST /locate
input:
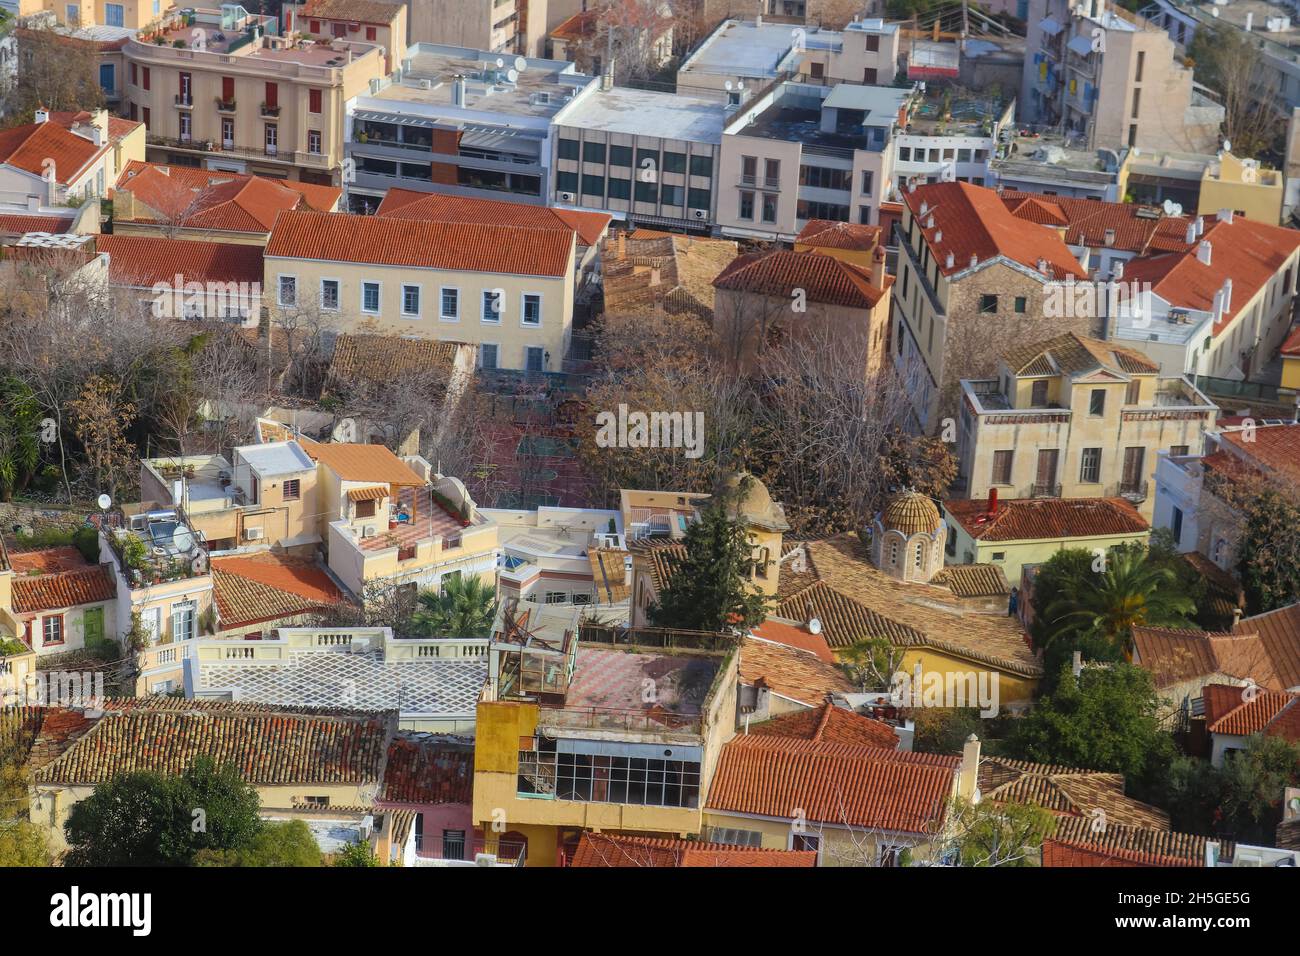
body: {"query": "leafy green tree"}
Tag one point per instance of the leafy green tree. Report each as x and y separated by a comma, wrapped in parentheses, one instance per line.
(1006, 834)
(1240, 800)
(1120, 591)
(466, 607)
(20, 433)
(287, 843)
(709, 589)
(1104, 719)
(22, 843)
(1270, 551)
(222, 806)
(943, 730)
(872, 664)
(356, 854)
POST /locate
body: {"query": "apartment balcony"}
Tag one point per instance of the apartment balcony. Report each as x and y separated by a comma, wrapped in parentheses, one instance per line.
(184, 100)
(270, 110)
(1044, 490)
(225, 106)
(318, 160)
(1135, 492)
(226, 147)
(435, 847)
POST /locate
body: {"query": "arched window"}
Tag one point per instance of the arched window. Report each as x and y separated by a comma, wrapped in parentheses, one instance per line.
(919, 559)
(893, 552)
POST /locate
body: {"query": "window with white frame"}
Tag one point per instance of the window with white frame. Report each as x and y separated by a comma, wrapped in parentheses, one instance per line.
(288, 290)
(329, 294)
(411, 300)
(183, 621)
(450, 305)
(487, 356)
(532, 310)
(493, 304)
(370, 297)
(52, 629)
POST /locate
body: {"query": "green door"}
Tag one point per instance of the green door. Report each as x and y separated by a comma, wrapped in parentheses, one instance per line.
(94, 625)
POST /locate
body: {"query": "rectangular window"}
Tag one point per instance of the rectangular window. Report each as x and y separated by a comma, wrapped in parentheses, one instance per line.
(1022, 304)
(227, 89)
(313, 142)
(292, 490)
(487, 356)
(698, 198)
(366, 508)
(186, 89)
(272, 96)
(566, 182)
(647, 191)
(593, 186)
(372, 34)
(1137, 100)
(1178, 451)
(370, 297)
(532, 311)
(313, 101)
(1002, 467)
(272, 139)
(674, 162)
(1134, 473)
(288, 290)
(146, 77)
(671, 195)
(869, 75)
(183, 621)
(593, 153)
(868, 181)
(771, 171)
(769, 207)
(1133, 394)
(1176, 526)
(702, 166)
(1141, 62)
(535, 358)
(1038, 394)
(568, 149)
(1090, 466)
(746, 205)
(749, 169)
(1097, 402)
(493, 304)
(227, 132)
(329, 294)
(411, 300)
(52, 630)
(450, 304)
(620, 156)
(988, 304)
(620, 188)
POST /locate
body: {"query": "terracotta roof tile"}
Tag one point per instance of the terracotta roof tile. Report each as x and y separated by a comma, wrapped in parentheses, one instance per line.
(383, 358)
(617, 850)
(64, 558)
(1074, 354)
(363, 11)
(1275, 448)
(1124, 845)
(144, 261)
(262, 587)
(1174, 655)
(833, 783)
(1135, 228)
(422, 244)
(49, 592)
(32, 146)
(1066, 790)
(974, 221)
(439, 207)
(687, 267)
(370, 463)
(267, 749)
(829, 724)
(827, 234)
(974, 580)
(428, 772)
(823, 278)
(792, 673)
(793, 635)
(1031, 519)
(1250, 711)
(20, 225)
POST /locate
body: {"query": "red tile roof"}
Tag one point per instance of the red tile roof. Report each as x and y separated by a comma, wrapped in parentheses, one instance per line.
(1066, 791)
(829, 724)
(617, 850)
(362, 11)
(421, 244)
(269, 749)
(792, 635)
(823, 278)
(1137, 228)
(369, 463)
(1292, 344)
(19, 224)
(439, 207)
(219, 200)
(827, 234)
(50, 592)
(1076, 842)
(1274, 447)
(1032, 519)
(1250, 253)
(428, 772)
(1279, 632)
(791, 672)
(29, 148)
(64, 558)
(1173, 656)
(256, 588)
(974, 221)
(833, 783)
(1255, 711)
(144, 261)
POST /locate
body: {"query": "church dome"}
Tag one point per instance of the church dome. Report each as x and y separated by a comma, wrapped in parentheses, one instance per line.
(910, 513)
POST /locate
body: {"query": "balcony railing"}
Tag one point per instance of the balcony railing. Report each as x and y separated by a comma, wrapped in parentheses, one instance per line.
(225, 106)
(185, 100)
(1044, 490)
(433, 846)
(1134, 491)
(270, 110)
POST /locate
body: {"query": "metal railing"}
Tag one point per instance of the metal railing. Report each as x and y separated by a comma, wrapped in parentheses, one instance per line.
(436, 847)
(1134, 491)
(1044, 490)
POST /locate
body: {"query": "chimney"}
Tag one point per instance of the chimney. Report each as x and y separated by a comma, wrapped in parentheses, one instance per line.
(968, 772)
(1117, 269)
(1250, 21)
(929, 222)
(1076, 666)
(1191, 233)
(458, 91)
(622, 246)
(948, 262)
(925, 206)
(758, 21)
(993, 503)
(974, 260)
(1200, 225)
(1042, 265)
(1108, 237)
(42, 115)
(1227, 294)
(1224, 215)
(1236, 616)
(1203, 252)
(938, 237)
(878, 268)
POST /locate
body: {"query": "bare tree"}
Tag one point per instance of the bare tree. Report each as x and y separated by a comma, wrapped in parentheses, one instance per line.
(55, 71)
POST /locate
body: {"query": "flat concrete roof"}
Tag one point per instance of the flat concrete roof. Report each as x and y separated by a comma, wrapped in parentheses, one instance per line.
(645, 112)
(744, 48)
(279, 458)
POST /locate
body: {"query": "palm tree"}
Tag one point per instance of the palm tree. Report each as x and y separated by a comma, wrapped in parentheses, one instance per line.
(20, 431)
(1130, 592)
(466, 607)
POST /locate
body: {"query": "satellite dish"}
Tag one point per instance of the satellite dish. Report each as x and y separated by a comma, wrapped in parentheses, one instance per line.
(500, 63)
(727, 86)
(1227, 146)
(521, 64)
(1172, 208)
(814, 626)
(104, 501)
(512, 75)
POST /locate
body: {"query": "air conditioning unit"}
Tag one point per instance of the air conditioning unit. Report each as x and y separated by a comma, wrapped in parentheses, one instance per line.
(368, 531)
(567, 197)
(700, 214)
(252, 534)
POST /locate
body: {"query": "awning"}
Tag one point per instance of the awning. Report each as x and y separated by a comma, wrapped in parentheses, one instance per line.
(1080, 45)
(368, 494)
(1049, 26)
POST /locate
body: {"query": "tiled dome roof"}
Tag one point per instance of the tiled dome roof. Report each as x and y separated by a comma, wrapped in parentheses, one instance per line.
(911, 513)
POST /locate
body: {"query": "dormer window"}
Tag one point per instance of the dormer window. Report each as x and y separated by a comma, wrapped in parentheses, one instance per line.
(1039, 394)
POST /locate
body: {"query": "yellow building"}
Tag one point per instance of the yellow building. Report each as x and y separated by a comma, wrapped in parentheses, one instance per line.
(847, 241)
(1012, 533)
(1291, 361)
(129, 14)
(1074, 417)
(505, 290)
(577, 736)
(216, 88)
(65, 158)
(1242, 186)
